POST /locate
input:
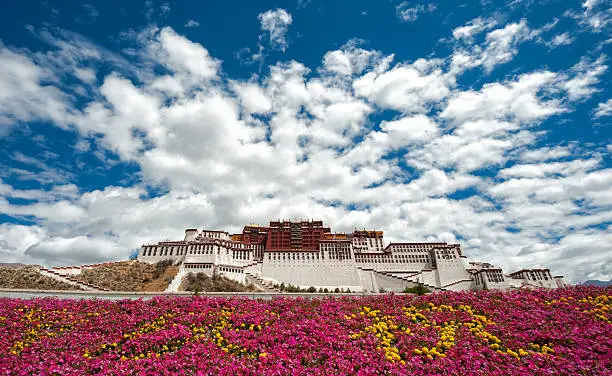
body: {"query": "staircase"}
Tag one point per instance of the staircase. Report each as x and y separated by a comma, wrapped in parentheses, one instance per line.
(176, 281)
(254, 267)
(394, 275)
(404, 276)
(410, 278)
(70, 279)
(259, 282)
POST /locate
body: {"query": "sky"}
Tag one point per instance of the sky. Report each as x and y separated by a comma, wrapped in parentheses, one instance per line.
(484, 123)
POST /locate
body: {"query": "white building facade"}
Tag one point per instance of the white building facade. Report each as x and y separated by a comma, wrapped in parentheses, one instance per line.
(359, 261)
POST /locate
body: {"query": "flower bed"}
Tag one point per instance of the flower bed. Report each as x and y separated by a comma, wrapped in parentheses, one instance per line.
(548, 332)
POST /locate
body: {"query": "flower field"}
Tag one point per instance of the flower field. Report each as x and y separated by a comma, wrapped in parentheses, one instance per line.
(544, 332)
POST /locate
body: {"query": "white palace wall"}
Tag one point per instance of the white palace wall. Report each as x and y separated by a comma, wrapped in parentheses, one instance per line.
(362, 265)
(306, 269)
(450, 267)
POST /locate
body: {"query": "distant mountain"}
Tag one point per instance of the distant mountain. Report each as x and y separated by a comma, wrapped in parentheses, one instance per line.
(595, 282)
(11, 265)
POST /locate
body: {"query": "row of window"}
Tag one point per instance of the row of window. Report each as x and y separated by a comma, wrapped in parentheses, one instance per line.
(537, 275)
(241, 255)
(412, 248)
(198, 266)
(495, 277)
(295, 256)
(393, 258)
(230, 270)
(446, 254)
(340, 254)
(216, 235)
(164, 251)
(197, 249)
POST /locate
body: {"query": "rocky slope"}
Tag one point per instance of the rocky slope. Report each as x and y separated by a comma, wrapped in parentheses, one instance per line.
(131, 276)
(27, 277)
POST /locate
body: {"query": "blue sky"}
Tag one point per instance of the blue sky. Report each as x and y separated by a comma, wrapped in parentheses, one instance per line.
(486, 123)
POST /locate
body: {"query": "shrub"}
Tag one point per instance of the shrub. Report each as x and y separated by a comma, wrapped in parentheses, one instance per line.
(160, 267)
(200, 282)
(418, 289)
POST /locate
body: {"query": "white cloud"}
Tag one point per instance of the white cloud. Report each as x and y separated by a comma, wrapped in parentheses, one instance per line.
(16, 239)
(545, 154)
(473, 27)
(409, 88)
(192, 23)
(590, 4)
(562, 39)
(276, 24)
(77, 250)
(410, 129)
(511, 100)
(501, 44)
(408, 13)
(585, 75)
(252, 98)
(183, 56)
(595, 17)
(25, 94)
(547, 169)
(351, 60)
(604, 109)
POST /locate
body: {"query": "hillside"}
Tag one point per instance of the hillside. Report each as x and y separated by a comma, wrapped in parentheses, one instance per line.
(27, 277)
(131, 276)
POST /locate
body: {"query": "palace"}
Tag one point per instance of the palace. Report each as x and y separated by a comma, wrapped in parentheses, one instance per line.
(307, 254)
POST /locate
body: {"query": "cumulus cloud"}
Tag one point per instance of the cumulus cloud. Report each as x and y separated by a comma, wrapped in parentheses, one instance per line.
(353, 60)
(24, 94)
(182, 56)
(77, 250)
(409, 88)
(604, 109)
(502, 43)
(562, 39)
(473, 27)
(518, 100)
(594, 16)
(276, 24)
(545, 154)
